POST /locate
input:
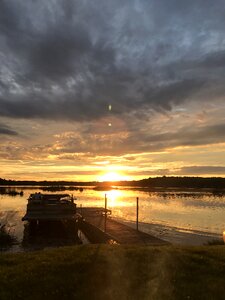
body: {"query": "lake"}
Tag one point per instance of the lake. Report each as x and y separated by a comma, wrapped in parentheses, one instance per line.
(181, 217)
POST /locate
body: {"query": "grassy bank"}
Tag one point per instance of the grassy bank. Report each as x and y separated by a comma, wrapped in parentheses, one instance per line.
(114, 272)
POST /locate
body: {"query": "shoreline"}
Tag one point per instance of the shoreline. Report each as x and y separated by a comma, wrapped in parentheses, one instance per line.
(106, 188)
(175, 235)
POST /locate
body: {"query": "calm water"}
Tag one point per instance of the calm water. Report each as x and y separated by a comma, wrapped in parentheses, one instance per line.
(170, 214)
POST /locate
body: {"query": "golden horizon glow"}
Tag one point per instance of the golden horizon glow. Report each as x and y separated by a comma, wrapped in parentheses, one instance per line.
(112, 176)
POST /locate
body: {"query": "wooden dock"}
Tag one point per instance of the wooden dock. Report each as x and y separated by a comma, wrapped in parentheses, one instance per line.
(94, 224)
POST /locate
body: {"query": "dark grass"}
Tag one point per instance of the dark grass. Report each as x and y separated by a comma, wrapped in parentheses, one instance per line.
(6, 238)
(216, 242)
(114, 272)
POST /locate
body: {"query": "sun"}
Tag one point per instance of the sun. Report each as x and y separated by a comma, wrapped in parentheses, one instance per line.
(111, 176)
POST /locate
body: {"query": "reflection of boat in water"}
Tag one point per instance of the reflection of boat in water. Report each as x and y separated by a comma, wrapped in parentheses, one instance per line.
(52, 219)
(50, 234)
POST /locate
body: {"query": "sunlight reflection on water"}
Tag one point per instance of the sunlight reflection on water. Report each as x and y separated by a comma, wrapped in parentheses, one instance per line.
(183, 210)
(116, 198)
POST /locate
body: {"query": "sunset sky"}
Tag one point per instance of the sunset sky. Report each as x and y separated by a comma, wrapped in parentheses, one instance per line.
(134, 88)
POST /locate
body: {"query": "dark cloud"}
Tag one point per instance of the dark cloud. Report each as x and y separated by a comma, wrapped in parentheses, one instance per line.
(184, 171)
(8, 17)
(59, 53)
(192, 136)
(137, 140)
(196, 170)
(148, 173)
(5, 130)
(201, 170)
(145, 140)
(213, 60)
(68, 60)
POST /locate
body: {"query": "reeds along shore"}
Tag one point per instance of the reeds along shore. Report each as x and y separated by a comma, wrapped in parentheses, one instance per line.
(10, 192)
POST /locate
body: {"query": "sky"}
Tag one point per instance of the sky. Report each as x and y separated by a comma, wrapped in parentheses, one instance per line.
(133, 88)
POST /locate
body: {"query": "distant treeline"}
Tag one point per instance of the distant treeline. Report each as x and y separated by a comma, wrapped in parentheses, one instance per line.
(45, 183)
(184, 182)
(174, 182)
(164, 182)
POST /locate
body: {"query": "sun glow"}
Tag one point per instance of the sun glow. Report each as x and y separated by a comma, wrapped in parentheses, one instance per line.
(112, 176)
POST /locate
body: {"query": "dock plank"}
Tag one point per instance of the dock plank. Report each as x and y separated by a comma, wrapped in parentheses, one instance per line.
(121, 233)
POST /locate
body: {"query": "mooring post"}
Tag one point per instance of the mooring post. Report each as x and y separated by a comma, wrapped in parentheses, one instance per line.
(137, 213)
(81, 209)
(105, 212)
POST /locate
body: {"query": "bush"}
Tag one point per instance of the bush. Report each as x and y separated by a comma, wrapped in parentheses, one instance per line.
(6, 239)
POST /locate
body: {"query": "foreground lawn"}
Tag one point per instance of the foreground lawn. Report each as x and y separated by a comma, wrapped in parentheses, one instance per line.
(114, 272)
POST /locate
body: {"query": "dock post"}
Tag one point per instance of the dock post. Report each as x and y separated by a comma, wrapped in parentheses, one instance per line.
(81, 209)
(137, 213)
(105, 212)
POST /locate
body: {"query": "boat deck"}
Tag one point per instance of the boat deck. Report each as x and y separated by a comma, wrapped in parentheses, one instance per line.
(50, 207)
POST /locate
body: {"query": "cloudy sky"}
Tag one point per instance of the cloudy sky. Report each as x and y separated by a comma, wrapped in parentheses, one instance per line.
(135, 87)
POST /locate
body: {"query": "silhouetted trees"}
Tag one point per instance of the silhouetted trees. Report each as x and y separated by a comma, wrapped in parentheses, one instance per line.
(184, 182)
(164, 182)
